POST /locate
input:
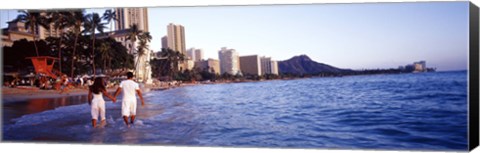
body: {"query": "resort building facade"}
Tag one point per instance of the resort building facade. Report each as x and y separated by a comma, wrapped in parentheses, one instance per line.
(211, 65)
(15, 31)
(229, 61)
(250, 65)
(268, 65)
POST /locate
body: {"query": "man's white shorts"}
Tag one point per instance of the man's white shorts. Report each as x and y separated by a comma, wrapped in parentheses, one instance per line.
(129, 107)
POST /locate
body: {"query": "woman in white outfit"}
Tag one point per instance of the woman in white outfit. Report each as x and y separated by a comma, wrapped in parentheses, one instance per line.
(96, 100)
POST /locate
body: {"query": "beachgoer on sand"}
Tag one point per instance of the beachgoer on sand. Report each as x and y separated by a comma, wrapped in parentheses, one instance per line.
(129, 101)
(96, 101)
(64, 84)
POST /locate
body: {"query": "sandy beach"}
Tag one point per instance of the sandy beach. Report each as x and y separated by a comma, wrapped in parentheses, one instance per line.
(21, 94)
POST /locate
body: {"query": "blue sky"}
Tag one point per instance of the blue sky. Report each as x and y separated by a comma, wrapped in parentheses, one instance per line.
(357, 36)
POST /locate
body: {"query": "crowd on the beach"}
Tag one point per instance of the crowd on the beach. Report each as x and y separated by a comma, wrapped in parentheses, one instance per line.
(62, 83)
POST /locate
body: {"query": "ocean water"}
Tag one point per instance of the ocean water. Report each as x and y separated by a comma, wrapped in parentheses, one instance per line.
(421, 111)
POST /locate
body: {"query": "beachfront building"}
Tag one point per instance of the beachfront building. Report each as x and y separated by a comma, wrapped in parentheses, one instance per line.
(44, 33)
(274, 65)
(15, 31)
(189, 64)
(164, 42)
(229, 61)
(268, 65)
(250, 65)
(195, 54)
(211, 65)
(420, 66)
(176, 42)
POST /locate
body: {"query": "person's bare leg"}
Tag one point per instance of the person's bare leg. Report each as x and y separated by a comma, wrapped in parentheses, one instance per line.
(103, 122)
(125, 118)
(94, 122)
(132, 119)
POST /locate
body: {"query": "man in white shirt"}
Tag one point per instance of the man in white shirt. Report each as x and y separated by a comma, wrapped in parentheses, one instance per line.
(129, 101)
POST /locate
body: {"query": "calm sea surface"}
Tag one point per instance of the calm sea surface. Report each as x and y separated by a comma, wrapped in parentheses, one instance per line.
(422, 111)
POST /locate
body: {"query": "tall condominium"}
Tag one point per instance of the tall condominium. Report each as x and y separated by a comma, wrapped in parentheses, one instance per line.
(129, 16)
(195, 54)
(164, 42)
(229, 61)
(268, 66)
(176, 42)
(176, 38)
(250, 65)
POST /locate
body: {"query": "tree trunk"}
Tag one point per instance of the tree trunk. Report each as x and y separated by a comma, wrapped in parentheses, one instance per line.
(131, 51)
(73, 57)
(93, 54)
(35, 40)
(110, 63)
(60, 52)
(136, 64)
(104, 65)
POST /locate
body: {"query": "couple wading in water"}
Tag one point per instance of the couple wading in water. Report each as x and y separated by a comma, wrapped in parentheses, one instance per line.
(129, 100)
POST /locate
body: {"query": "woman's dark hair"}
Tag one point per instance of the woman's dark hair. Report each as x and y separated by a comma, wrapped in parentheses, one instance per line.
(97, 86)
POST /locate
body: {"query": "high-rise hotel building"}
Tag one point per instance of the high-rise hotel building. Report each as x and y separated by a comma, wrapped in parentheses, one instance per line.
(268, 65)
(229, 61)
(176, 38)
(250, 65)
(129, 16)
(195, 54)
(176, 42)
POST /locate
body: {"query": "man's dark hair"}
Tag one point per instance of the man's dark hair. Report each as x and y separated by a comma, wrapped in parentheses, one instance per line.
(129, 75)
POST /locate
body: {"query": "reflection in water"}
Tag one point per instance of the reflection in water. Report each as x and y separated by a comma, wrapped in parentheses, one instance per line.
(31, 106)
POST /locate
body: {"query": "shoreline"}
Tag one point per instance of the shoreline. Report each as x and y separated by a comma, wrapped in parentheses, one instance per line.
(23, 93)
(12, 95)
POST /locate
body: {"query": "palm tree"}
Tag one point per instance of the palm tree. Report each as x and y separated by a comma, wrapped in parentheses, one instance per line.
(133, 35)
(32, 20)
(105, 50)
(77, 19)
(172, 58)
(94, 23)
(110, 15)
(144, 38)
(60, 22)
